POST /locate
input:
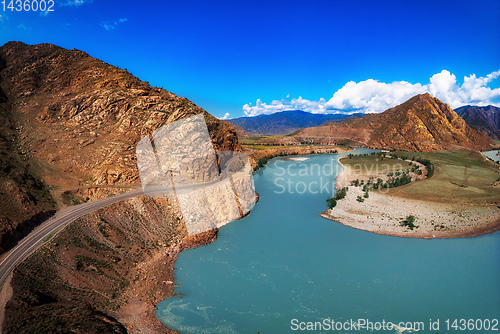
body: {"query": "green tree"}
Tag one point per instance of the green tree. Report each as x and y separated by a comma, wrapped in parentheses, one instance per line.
(331, 202)
(341, 193)
(408, 222)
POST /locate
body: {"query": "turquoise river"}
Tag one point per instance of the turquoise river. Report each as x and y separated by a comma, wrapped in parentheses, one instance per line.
(283, 266)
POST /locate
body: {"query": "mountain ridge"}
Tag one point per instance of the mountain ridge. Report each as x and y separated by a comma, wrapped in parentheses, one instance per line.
(423, 123)
(70, 123)
(285, 122)
(485, 120)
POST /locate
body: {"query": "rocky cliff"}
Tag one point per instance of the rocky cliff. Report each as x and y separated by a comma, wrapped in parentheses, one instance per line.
(70, 124)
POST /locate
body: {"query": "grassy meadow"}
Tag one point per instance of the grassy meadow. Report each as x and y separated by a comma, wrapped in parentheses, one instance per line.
(460, 176)
(363, 167)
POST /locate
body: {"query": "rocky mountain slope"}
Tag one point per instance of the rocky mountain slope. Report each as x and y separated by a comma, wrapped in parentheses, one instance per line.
(69, 126)
(333, 134)
(423, 123)
(104, 273)
(24, 198)
(239, 130)
(485, 120)
(285, 122)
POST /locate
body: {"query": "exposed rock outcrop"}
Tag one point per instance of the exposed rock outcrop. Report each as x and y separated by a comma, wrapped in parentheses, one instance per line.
(70, 124)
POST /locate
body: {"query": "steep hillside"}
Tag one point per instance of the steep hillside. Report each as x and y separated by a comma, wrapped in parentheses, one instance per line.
(239, 130)
(485, 120)
(423, 123)
(70, 124)
(332, 134)
(104, 273)
(24, 198)
(285, 122)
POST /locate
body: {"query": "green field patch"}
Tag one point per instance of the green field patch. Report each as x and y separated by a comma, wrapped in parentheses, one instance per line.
(366, 166)
(460, 176)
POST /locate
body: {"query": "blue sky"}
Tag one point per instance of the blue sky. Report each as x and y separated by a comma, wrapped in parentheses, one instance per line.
(252, 57)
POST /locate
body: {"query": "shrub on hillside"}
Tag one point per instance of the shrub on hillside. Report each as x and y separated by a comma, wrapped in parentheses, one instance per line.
(331, 202)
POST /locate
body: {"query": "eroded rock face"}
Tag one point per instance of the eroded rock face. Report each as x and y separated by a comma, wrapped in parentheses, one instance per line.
(72, 123)
(69, 133)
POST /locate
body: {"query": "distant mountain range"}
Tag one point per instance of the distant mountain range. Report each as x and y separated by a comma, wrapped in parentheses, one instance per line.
(484, 119)
(423, 123)
(286, 122)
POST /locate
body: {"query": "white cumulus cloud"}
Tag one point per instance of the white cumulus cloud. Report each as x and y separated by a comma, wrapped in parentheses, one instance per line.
(473, 90)
(372, 96)
(226, 116)
(315, 107)
(375, 96)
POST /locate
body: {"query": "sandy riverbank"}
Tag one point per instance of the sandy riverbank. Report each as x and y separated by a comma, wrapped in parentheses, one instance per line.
(383, 214)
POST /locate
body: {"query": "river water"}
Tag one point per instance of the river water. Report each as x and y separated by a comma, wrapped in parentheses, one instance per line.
(492, 155)
(284, 262)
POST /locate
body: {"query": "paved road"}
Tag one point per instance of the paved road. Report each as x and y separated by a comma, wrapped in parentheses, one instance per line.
(65, 216)
(62, 218)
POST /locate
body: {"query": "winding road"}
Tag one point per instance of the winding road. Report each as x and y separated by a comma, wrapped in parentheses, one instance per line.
(45, 230)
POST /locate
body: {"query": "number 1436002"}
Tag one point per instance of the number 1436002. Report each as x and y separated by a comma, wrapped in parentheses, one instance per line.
(27, 5)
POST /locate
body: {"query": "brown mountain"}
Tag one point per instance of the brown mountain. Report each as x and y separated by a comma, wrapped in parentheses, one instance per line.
(486, 120)
(69, 125)
(286, 122)
(334, 133)
(239, 130)
(423, 123)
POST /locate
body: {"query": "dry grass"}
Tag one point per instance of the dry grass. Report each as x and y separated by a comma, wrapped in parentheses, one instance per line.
(459, 200)
(460, 177)
(363, 167)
